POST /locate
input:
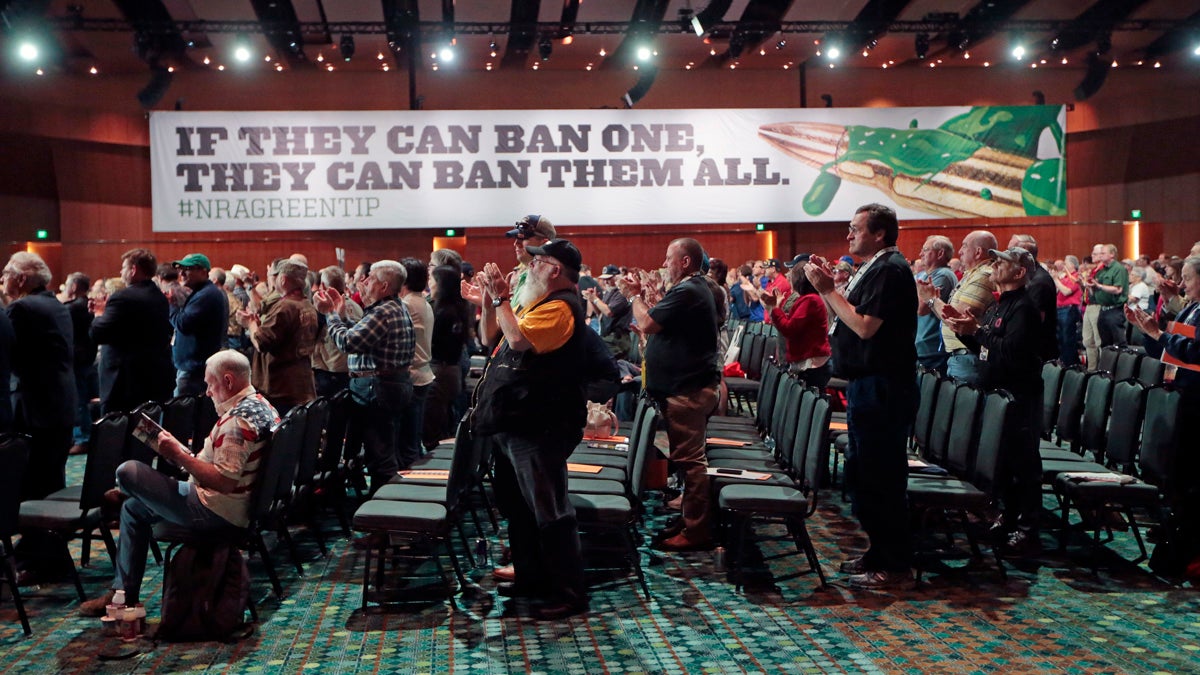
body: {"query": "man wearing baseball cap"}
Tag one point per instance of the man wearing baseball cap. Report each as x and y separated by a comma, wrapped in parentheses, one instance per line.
(200, 324)
(532, 230)
(531, 403)
(615, 312)
(1006, 339)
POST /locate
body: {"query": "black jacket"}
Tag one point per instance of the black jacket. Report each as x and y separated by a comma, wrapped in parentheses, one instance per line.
(43, 362)
(134, 335)
(1007, 343)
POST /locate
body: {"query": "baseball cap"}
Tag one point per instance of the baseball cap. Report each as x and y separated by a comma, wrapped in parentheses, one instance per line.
(771, 263)
(239, 272)
(193, 260)
(1017, 256)
(847, 259)
(610, 271)
(532, 226)
(564, 252)
(800, 258)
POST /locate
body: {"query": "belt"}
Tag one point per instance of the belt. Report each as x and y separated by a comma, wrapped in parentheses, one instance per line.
(960, 352)
(1112, 306)
(373, 373)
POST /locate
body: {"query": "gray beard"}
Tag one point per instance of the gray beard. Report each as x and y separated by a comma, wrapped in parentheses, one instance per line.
(533, 290)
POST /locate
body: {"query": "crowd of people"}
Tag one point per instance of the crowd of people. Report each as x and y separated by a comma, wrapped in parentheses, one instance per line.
(398, 334)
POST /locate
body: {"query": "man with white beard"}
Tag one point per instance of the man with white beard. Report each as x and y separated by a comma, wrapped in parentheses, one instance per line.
(530, 400)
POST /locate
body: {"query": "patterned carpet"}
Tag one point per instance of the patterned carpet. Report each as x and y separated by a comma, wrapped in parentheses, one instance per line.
(1052, 615)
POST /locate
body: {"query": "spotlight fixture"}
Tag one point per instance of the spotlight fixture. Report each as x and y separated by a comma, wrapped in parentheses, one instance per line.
(1018, 51)
(697, 26)
(834, 53)
(28, 51)
(241, 53)
(568, 39)
(644, 53)
(545, 48)
(921, 45)
(781, 44)
(446, 54)
(346, 47)
(828, 99)
(492, 48)
(1104, 43)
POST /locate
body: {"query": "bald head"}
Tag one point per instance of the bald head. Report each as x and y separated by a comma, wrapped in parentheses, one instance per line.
(975, 247)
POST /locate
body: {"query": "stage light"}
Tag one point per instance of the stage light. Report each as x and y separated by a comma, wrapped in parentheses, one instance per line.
(346, 47)
(833, 53)
(241, 53)
(921, 45)
(545, 48)
(644, 53)
(28, 51)
(1018, 51)
(446, 54)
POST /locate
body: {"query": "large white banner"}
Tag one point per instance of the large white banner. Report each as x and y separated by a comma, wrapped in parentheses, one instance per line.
(435, 169)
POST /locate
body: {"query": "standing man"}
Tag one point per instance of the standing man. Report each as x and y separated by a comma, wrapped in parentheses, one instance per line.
(216, 496)
(973, 295)
(1108, 289)
(680, 372)
(1008, 338)
(85, 358)
(408, 447)
(284, 339)
(938, 284)
(200, 324)
(1068, 299)
(1041, 289)
(531, 402)
(615, 313)
(380, 348)
(530, 231)
(134, 331)
(873, 347)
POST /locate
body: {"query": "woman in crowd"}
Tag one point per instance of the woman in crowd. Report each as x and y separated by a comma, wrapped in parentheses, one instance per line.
(452, 328)
(803, 321)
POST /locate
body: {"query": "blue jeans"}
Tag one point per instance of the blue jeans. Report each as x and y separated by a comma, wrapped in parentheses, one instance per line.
(530, 480)
(379, 405)
(1068, 335)
(964, 368)
(86, 386)
(879, 411)
(153, 497)
(188, 383)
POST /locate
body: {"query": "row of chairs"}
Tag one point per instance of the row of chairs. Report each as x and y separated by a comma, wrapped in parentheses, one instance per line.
(1124, 363)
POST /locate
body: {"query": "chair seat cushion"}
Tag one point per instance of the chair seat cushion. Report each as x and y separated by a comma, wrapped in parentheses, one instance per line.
(741, 385)
(394, 516)
(616, 462)
(1056, 454)
(594, 486)
(719, 483)
(725, 453)
(412, 492)
(1051, 469)
(945, 493)
(612, 510)
(606, 473)
(428, 463)
(53, 515)
(766, 499)
(754, 464)
(1091, 492)
(71, 493)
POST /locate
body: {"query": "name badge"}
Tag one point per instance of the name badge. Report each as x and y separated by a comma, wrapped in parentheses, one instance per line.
(983, 352)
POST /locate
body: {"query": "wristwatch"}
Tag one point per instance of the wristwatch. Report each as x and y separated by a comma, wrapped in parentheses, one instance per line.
(929, 303)
(496, 302)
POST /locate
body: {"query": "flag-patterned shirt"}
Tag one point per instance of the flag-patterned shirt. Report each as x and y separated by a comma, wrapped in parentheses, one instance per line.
(235, 446)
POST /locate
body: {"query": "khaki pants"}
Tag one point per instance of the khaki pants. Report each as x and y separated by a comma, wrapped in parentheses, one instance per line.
(687, 425)
(1091, 335)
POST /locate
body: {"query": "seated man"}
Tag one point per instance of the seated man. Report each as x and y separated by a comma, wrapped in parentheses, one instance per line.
(216, 496)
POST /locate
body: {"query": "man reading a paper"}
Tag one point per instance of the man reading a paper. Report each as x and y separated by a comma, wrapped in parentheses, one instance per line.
(216, 496)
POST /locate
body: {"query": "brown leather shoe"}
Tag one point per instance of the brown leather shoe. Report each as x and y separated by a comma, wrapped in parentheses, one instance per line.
(96, 607)
(506, 573)
(78, 449)
(682, 542)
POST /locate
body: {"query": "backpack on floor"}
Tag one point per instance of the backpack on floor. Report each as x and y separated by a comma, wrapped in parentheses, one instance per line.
(206, 591)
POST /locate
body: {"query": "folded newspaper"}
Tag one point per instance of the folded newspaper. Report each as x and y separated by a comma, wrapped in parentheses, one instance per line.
(1098, 477)
(146, 430)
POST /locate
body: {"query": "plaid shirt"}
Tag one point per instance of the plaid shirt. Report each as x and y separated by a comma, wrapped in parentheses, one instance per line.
(383, 340)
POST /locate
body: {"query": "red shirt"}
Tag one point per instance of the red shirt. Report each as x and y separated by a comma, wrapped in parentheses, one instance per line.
(804, 327)
(781, 288)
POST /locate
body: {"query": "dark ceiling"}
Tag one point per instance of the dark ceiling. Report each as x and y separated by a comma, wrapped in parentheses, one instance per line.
(116, 36)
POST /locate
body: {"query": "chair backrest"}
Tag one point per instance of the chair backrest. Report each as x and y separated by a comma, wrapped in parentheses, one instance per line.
(768, 387)
(790, 419)
(1097, 401)
(288, 441)
(335, 431)
(1127, 365)
(206, 418)
(637, 477)
(772, 351)
(994, 435)
(1150, 371)
(179, 417)
(960, 450)
(135, 449)
(744, 350)
(1108, 358)
(314, 433)
(1160, 440)
(753, 368)
(795, 454)
(466, 453)
(1125, 424)
(765, 416)
(939, 430)
(816, 455)
(925, 406)
(1070, 405)
(14, 457)
(105, 450)
(277, 467)
(787, 398)
(1052, 380)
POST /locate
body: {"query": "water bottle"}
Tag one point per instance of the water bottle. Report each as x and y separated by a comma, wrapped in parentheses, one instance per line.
(481, 551)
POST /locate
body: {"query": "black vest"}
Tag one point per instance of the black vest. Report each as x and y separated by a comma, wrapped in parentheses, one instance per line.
(536, 394)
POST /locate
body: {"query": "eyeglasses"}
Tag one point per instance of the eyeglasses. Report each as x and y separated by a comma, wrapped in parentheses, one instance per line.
(855, 230)
(543, 261)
